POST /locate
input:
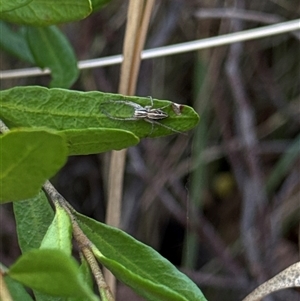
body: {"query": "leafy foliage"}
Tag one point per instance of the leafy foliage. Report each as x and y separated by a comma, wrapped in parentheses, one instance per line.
(23, 151)
(33, 217)
(77, 117)
(59, 233)
(18, 292)
(46, 126)
(45, 44)
(73, 110)
(138, 265)
(51, 271)
(45, 13)
(15, 42)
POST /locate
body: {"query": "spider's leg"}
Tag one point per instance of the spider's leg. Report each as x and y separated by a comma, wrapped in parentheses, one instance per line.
(128, 103)
(150, 107)
(164, 106)
(161, 124)
(117, 118)
(151, 100)
(168, 127)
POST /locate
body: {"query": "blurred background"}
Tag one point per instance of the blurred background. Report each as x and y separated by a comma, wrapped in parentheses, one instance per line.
(223, 202)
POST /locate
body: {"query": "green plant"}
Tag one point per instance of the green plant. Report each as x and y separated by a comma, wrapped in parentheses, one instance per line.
(45, 127)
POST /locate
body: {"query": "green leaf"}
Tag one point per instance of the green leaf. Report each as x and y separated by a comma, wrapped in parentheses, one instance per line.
(51, 49)
(92, 140)
(50, 12)
(87, 278)
(23, 151)
(33, 217)
(84, 273)
(16, 289)
(59, 234)
(137, 265)
(7, 5)
(51, 272)
(64, 109)
(15, 43)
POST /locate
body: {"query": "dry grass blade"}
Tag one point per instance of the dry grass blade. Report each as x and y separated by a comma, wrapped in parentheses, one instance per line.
(138, 19)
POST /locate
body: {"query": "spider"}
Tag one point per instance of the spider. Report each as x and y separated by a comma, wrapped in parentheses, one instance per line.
(147, 113)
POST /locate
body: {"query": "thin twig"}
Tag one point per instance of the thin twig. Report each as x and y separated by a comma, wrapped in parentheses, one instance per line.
(103, 288)
(234, 13)
(83, 242)
(221, 40)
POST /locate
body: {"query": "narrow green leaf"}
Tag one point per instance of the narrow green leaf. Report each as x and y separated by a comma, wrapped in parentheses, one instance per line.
(51, 49)
(93, 140)
(51, 272)
(50, 12)
(15, 43)
(137, 265)
(16, 289)
(64, 109)
(7, 5)
(33, 217)
(23, 151)
(59, 234)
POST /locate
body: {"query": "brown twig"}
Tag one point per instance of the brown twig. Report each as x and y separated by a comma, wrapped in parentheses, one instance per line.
(234, 13)
(246, 15)
(83, 242)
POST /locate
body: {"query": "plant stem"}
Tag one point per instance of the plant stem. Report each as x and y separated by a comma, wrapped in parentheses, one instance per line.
(85, 245)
